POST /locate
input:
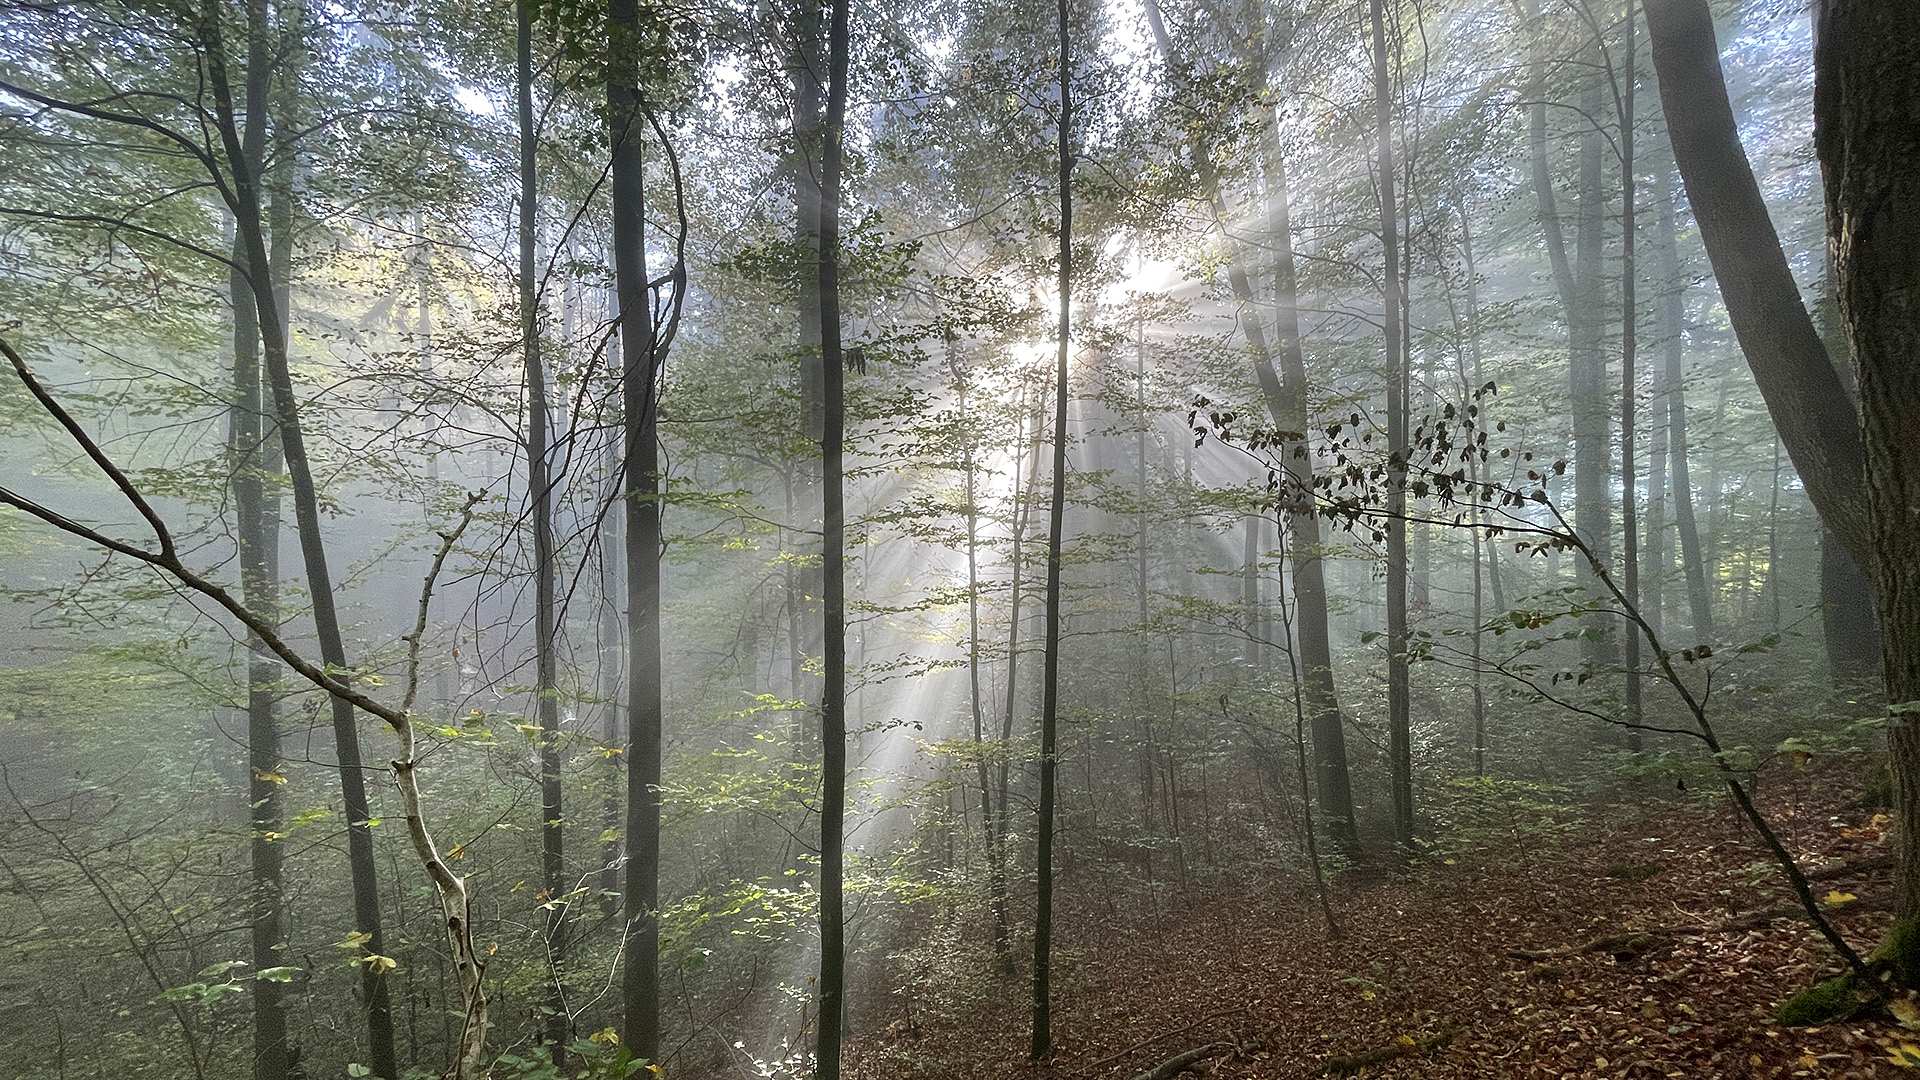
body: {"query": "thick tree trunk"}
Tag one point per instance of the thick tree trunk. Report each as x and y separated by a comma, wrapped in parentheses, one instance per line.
(1848, 620)
(1808, 402)
(1050, 676)
(1867, 94)
(639, 380)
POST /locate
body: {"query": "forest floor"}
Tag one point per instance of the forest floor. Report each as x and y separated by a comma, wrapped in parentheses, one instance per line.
(1423, 976)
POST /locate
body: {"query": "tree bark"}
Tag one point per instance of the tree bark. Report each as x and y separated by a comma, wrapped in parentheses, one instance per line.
(540, 509)
(1866, 95)
(1050, 674)
(639, 380)
(1848, 620)
(258, 541)
(1285, 392)
(833, 708)
(1629, 374)
(1673, 314)
(1399, 688)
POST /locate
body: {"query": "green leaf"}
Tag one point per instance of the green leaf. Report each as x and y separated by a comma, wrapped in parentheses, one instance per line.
(279, 974)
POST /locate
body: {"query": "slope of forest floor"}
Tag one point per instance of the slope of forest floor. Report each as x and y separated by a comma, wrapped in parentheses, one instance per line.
(1672, 963)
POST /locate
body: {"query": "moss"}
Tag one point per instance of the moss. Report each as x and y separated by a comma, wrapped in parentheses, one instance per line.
(1897, 961)
(1899, 954)
(1834, 999)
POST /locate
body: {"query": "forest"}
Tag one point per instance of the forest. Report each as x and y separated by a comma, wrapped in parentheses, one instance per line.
(1079, 540)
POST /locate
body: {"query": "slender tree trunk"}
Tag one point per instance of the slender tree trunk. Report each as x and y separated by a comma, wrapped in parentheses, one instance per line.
(1050, 677)
(833, 708)
(540, 509)
(1867, 68)
(1250, 589)
(639, 380)
(1475, 355)
(1629, 374)
(1399, 720)
(1673, 314)
(1808, 403)
(272, 334)
(258, 540)
(1022, 517)
(989, 821)
(1587, 366)
(1285, 392)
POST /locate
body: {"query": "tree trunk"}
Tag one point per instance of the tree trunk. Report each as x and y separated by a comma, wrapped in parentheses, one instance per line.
(540, 496)
(1867, 90)
(1847, 617)
(1399, 720)
(639, 379)
(1050, 676)
(1587, 368)
(1629, 375)
(833, 707)
(248, 223)
(1808, 402)
(989, 821)
(258, 541)
(1673, 314)
(1285, 393)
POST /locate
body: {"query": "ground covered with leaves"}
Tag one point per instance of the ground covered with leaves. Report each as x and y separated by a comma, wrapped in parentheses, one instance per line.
(1650, 938)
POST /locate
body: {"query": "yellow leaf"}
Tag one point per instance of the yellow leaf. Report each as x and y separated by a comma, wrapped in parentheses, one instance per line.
(657, 1071)
(378, 964)
(353, 940)
(1405, 1040)
(1368, 995)
(458, 851)
(1835, 898)
(273, 777)
(1599, 1063)
(1905, 1055)
(1808, 1061)
(605, 1037)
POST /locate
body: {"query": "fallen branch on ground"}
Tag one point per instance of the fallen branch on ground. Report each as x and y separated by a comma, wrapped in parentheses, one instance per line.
(1628, 946)
(1185, 1060)
(1144, 1043)
(1380, 1055)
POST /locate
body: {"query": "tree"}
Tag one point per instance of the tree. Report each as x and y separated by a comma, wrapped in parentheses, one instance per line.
(1809, 405)
(642, 345)
(833, 543)
(1399, 449)
(1056, 529)
(1867, 64)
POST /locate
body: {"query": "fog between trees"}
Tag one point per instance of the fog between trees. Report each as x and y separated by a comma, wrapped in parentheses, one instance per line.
(544, 540)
